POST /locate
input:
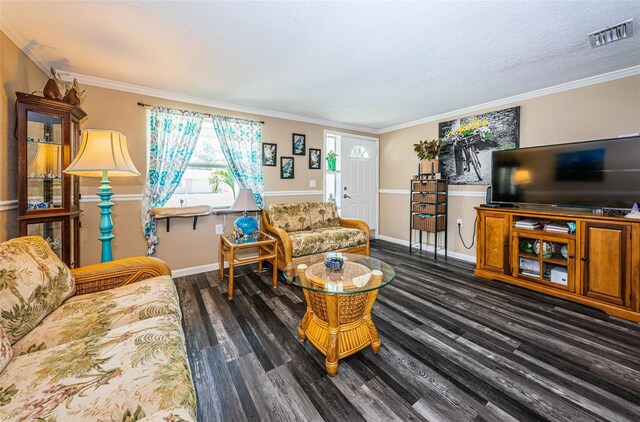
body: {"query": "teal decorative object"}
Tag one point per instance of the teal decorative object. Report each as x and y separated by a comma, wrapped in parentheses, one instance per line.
(106, 222)
(526, 245)
(245, 226)
(548, 249)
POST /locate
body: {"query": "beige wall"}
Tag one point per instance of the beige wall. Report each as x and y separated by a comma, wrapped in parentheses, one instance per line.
(182, 247)
(17, 73)
(599, 111)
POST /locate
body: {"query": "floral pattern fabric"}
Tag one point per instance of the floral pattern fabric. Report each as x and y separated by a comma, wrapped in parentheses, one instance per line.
(240, 140)
(325, 239)
(172, 139)
(6, 352)
(290, 217)
(95, 314)
(33, 283)
(130, 373)
(323, 214)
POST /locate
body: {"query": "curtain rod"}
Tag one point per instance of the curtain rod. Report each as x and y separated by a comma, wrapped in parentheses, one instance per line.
(182, 109)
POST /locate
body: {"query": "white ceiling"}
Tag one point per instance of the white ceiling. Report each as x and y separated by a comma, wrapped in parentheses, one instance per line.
(372, 64)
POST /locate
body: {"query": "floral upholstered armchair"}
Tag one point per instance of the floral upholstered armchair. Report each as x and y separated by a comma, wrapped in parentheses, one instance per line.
(313, 227)
(102, 342)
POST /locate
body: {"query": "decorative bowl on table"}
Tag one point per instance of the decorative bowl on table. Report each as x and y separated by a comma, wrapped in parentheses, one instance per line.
(334, 262)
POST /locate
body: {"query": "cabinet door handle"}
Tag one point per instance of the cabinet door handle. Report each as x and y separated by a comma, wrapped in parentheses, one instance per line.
(506, 244)
(571, 257)
(584, 258)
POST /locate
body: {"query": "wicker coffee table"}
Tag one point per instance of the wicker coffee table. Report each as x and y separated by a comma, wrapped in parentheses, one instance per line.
(338, 318)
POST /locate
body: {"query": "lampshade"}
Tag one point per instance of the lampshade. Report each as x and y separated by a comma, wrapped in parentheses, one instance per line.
(102, 150)
(245, 201)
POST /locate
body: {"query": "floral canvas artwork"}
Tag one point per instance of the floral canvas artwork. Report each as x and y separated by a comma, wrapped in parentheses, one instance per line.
(269, 154)
(469, 141)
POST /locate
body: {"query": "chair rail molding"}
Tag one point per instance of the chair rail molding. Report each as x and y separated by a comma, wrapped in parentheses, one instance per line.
(470, 193)
(8, 205)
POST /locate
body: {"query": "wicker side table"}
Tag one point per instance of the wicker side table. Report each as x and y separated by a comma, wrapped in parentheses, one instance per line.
(267, 251)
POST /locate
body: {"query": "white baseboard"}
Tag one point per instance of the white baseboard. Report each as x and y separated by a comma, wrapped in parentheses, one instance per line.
(182, 272)
(199, 269)
(429, 248)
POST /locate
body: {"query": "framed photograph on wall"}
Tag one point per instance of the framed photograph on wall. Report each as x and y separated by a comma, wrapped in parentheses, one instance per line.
(286, 168)
(315, 158)
(469, 141)
(298, 144)
(269, 154)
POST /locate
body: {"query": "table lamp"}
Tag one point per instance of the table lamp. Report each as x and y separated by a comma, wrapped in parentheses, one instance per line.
(103, 153)
(245, 202)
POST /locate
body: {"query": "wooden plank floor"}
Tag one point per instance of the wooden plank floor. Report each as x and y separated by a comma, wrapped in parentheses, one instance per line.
(454, 348)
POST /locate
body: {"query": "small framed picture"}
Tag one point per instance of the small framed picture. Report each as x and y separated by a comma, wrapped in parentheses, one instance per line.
(286, 168)
(298, 144)
(315, 160)
(269, 154)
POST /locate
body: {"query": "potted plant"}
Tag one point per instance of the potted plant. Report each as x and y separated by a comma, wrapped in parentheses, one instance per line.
(331, 160)
(429, 155)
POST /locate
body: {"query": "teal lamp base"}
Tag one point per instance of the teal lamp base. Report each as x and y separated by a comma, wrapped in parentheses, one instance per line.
(245, 226)
(106, 222)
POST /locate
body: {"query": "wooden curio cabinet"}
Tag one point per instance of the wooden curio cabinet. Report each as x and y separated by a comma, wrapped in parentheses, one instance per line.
(48, 134)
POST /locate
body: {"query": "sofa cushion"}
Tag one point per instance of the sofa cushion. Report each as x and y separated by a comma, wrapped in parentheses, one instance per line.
(289, 217)
(97, 313)
(6, 352)
(323, 214)
(133, 371)
(33, 282)
(327, 239)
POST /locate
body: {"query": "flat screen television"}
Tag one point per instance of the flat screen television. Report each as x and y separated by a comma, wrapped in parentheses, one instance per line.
(594, 174)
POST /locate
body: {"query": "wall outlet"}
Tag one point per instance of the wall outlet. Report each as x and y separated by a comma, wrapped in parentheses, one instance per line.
(312, 183)
(219, 229)
(459, 221)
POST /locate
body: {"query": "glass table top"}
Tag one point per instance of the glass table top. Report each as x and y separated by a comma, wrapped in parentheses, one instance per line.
(358, 273)
(243, 240)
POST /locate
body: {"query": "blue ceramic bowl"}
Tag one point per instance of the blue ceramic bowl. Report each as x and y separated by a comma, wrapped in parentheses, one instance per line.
(334, 263)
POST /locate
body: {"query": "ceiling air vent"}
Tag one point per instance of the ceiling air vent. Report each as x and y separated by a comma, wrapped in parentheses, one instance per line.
(614, 33)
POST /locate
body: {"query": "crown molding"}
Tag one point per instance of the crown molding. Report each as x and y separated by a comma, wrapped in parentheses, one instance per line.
(580, 83)
(191, 99)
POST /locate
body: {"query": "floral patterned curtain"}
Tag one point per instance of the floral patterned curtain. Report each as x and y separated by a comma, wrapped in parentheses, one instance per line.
(241, 145)
(173, 136)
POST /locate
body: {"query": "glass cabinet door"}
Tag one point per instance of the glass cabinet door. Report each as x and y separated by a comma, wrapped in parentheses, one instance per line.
(44, 161)
(49, 231)
(546, 260)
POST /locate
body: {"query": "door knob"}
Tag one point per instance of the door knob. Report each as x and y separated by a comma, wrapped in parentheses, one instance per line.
(346, 196)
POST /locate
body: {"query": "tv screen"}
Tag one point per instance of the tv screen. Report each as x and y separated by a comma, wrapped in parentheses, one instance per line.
(602, 174)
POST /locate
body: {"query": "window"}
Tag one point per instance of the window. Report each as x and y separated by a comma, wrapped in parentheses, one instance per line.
(359, 152)
(208, 179)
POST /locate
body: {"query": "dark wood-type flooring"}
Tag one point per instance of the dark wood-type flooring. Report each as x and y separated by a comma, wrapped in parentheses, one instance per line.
(454, 348)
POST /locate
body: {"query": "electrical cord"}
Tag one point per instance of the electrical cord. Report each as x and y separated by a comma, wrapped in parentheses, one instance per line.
(475, 226)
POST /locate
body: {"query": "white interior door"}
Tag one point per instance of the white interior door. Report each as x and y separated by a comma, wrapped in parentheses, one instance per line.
(359, 180)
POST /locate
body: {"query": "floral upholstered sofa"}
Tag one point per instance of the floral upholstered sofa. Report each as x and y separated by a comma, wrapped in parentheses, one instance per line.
(97, 343)
(313, 227)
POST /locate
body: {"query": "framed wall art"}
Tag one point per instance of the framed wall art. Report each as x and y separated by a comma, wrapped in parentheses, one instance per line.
(286, 168)
(315, 158)
(298, 144)
(469, 141)
(269, 154)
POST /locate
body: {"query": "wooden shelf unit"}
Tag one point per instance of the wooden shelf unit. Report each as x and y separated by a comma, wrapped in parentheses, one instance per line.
(428, 211)
(602, 263)
(48, 135)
